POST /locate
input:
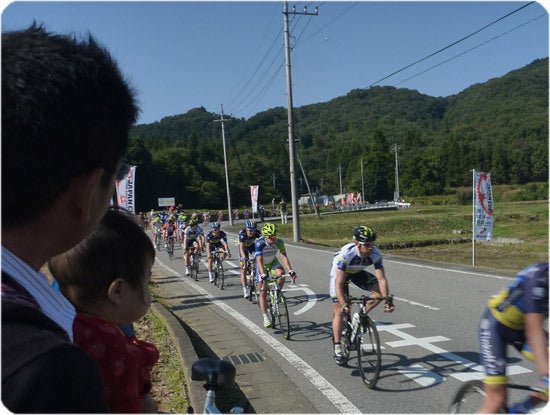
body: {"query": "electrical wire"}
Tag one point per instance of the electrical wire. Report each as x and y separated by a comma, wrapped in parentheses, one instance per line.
(469, 50)
(452, 44)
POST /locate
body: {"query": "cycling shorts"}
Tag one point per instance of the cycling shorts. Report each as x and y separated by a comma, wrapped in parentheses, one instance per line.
(493, 340)
(275, 265)
(363, 279)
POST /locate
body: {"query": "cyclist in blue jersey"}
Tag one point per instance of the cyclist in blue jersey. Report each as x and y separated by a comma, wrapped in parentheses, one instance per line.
(216, 239)
(514, 316)
(247, 236)
(191, 242)
(266, 249)
(350, 264)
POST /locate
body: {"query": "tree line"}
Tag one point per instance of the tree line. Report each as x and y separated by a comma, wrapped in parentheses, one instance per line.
(500, 126)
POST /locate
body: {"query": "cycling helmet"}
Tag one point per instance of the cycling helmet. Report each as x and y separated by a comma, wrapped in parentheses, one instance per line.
(269, 230)
(250, 224)
(193, 223)
(364, 234)
(216, 225)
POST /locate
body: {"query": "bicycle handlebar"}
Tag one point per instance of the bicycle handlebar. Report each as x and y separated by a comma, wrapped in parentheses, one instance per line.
(365, 298)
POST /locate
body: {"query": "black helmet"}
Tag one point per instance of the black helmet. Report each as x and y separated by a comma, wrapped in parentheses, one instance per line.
(364, 234)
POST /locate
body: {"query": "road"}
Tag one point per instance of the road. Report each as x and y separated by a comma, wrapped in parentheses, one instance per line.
(429, 342)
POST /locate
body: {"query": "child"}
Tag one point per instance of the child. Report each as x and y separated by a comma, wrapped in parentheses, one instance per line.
(105, 277)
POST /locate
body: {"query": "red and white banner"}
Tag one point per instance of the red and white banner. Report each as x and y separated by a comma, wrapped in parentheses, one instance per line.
(254, 197)
(125, 190)
(483, 206)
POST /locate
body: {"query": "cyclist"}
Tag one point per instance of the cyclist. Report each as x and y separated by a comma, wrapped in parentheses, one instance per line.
(200, 231)
(266, 249)
(191, 242)
(515, 316)
(247, 236)
(216, 239)
(156, 228)
(183, 222)
(350, 264)
(169, 230)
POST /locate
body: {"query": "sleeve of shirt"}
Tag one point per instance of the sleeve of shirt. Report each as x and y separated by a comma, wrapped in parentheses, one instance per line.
(281, 246)
(534, 296)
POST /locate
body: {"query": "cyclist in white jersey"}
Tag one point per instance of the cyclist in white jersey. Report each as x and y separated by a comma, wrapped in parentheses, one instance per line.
(349, 265)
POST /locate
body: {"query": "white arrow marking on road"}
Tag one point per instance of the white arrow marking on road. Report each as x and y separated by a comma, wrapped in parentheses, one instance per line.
(311, 297)
(421, 375)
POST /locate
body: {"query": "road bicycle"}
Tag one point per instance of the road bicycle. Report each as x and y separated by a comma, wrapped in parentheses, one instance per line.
(194, 263)
(170, 246)
(276, 304)
(158, 239)
(470, 396)
(360, 333)
(219, 275)
(251, 279)
(217, 374)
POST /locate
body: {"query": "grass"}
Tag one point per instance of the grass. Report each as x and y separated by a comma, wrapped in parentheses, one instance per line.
(520, 233)
(168, 378)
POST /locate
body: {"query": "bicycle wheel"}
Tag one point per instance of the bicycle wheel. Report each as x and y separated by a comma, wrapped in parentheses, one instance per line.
(251, 287)
(369, 357)
(221, 275)
(468, 399)
(271, 306)
(194, 267)
(345, 339)
(283, 317)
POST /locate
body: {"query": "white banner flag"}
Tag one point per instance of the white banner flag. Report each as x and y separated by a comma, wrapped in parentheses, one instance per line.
(483, 206)
(254, 197)
(125, 190)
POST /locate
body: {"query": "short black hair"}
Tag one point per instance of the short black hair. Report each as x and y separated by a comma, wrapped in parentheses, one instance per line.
(66, 111)
(117, 248)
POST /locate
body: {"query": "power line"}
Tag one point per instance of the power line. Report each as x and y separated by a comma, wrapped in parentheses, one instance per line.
(452, 44)
(469, 50)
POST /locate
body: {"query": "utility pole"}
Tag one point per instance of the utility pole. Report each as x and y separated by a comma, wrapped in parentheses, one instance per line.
(340, 175)
(362, 184)
(222, 120)
(295, 211)
(396, 194)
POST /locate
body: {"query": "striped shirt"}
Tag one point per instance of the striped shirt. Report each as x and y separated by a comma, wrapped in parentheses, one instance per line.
(52, 303)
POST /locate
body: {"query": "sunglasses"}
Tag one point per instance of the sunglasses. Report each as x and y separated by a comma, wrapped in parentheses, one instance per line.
(367, 244)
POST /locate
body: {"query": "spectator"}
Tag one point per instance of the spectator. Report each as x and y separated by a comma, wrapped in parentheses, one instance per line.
(105, 277)
(284, 213)
(66, 113)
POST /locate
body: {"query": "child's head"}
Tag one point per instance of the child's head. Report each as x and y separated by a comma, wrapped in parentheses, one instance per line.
(108, 272)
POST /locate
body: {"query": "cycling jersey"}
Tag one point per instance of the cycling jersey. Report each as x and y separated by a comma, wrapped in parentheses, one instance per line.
(215, 241)
(527, 294)
(170, 228)
(269, 252)
(248, 241)
(355, 267)
(191, 233)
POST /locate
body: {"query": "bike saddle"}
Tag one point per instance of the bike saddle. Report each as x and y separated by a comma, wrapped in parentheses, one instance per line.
(214, 370)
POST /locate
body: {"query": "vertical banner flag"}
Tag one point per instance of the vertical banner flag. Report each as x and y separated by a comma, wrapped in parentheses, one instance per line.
(483, 206)
(125, 190)
(254, 197)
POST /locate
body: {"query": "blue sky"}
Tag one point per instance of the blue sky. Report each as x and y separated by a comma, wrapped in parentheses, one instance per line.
(183, 55)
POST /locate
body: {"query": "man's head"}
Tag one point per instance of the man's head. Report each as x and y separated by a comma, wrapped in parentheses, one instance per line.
(251, 227)
(66, 113)
(269, 230)
(216, 226)
(364, 238)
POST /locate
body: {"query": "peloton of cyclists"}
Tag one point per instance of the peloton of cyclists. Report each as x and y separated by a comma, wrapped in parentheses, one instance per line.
(216, 239)
(191, 242)
(247, 236)
(266, 249)
(350, 264)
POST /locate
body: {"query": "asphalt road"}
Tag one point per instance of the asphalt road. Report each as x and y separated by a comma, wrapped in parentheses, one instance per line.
(429, 342)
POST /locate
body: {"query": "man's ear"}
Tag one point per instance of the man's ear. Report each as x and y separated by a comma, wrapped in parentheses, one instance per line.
(115, 290)
(83, 192)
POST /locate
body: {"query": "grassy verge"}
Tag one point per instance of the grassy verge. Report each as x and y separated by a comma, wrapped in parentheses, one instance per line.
(520, 233)
(169, 391)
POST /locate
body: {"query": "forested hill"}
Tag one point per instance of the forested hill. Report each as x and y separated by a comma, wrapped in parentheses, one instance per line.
(500, 126)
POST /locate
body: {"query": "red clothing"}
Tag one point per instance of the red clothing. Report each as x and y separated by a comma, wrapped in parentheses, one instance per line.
(125, 361)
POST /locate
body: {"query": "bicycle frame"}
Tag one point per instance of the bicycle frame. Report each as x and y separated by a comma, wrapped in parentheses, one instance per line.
(276, 303)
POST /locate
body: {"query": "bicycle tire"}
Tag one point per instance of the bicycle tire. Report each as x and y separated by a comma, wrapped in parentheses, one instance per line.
(270, 306)
(282, 316)
(468, 398)
(369, 356)
(194, 267)
(220, 273)
(345, 338)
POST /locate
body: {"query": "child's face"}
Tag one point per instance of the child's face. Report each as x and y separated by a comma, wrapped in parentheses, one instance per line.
(135, 303)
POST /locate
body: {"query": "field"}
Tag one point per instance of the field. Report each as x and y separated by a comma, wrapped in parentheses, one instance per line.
(439, 233)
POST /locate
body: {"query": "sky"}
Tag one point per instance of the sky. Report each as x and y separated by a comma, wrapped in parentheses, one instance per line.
(184, 55)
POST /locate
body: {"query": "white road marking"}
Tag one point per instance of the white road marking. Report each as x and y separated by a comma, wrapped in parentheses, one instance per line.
(311, 296)
(421, 375)
(325, 387)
